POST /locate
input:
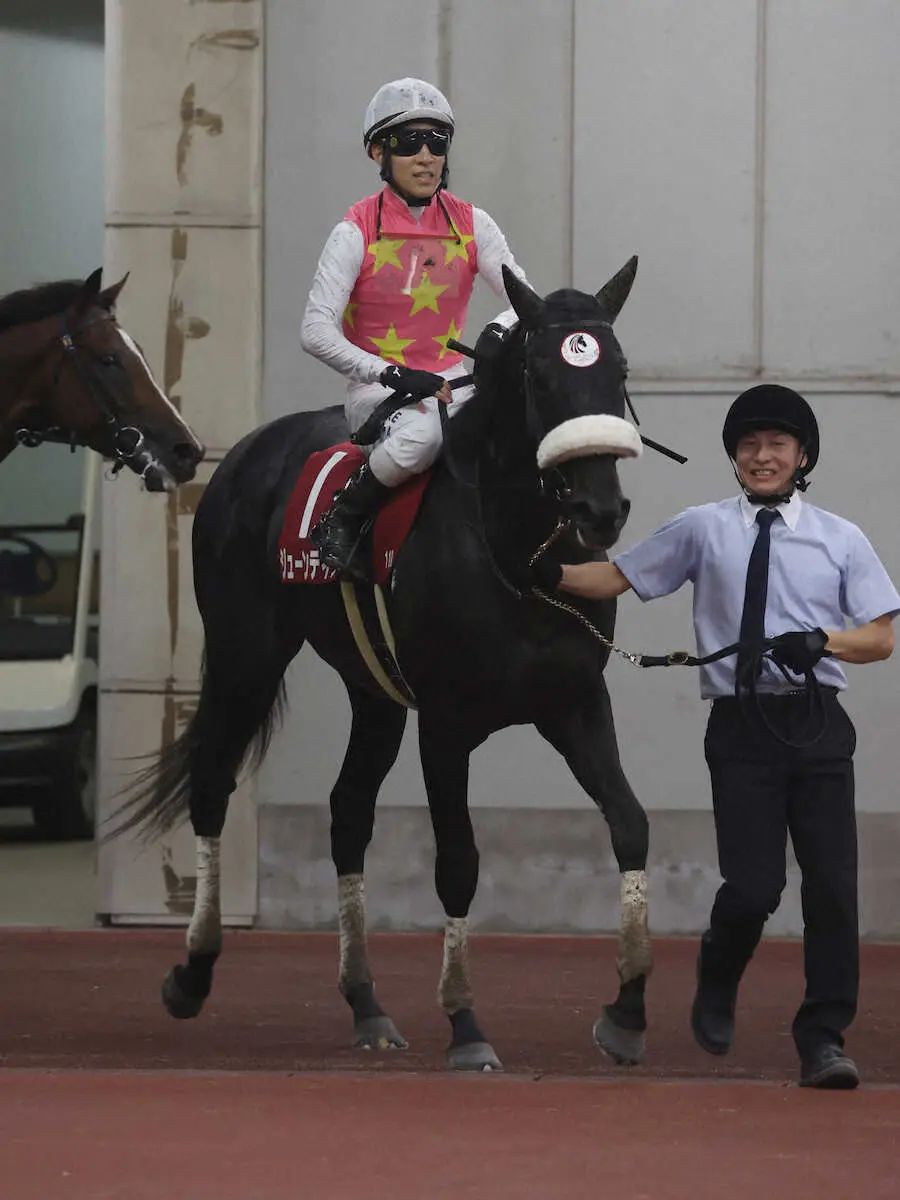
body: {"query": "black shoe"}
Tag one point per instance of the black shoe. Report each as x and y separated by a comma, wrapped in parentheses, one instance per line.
(827, 1066)
(712, 1014)
(339, 532)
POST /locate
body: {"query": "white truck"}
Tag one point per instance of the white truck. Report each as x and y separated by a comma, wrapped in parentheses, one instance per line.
(48, 667)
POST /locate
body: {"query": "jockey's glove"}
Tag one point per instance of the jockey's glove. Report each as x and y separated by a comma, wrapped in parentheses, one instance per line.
(417, 384)
(799, 650)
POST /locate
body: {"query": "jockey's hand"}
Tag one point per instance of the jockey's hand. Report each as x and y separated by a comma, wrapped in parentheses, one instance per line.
(445, 395)
(799, 650)
(417, 384)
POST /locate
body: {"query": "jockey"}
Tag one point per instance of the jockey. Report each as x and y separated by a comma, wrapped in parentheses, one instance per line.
(391, 289)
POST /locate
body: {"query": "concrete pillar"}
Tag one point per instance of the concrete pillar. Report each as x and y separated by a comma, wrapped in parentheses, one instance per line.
(184, 217)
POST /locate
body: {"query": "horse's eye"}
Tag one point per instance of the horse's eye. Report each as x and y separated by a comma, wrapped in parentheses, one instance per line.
(110, 360)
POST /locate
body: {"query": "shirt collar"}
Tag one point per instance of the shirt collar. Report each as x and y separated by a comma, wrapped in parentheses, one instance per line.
(789, 510)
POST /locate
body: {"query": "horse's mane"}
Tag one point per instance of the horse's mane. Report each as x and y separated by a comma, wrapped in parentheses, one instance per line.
(472, 428)
(37, 303)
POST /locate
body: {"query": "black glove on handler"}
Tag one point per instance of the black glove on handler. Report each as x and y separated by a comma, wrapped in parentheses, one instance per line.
(546, 574)
(798, 650)
(418, 384)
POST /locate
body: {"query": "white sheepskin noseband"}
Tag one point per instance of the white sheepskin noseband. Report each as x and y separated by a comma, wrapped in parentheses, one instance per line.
(583, 436)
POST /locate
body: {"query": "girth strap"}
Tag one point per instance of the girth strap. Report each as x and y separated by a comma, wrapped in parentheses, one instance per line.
(397, 689)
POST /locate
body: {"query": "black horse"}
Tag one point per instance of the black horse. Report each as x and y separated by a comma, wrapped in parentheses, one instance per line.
(538, 442)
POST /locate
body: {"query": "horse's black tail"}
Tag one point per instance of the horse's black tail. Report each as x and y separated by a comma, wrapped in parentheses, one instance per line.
(198, 769)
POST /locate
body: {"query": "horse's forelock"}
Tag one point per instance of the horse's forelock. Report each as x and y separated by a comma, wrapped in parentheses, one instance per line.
(568, 304)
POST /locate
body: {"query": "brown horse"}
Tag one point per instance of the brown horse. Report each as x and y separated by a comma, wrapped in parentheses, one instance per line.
(70, 373)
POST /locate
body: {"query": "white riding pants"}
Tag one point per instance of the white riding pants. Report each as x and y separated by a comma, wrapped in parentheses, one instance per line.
(411, 439)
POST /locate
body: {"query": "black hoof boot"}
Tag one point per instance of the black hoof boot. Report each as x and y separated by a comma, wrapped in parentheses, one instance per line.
(469, 1049)
(373, 1029)
(185, 989)
(621, 1031)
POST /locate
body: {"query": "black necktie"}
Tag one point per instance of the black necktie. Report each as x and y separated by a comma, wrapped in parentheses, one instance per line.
(753, 618)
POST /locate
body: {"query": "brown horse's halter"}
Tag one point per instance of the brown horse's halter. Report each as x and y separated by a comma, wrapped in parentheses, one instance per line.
(127, 440)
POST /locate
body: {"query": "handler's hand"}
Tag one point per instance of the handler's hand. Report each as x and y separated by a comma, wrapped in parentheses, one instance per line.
(546, 574)
(798, 650)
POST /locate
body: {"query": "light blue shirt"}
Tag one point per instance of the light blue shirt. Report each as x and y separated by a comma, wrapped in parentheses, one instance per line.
(823, 573)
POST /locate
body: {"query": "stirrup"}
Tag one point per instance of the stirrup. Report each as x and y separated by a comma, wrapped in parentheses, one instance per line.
(350, 566)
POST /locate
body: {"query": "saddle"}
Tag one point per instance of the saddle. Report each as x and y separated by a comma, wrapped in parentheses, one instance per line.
(324, 474)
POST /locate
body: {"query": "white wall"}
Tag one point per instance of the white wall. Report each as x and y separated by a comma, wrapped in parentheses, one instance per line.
(755, 171)
(744, 151)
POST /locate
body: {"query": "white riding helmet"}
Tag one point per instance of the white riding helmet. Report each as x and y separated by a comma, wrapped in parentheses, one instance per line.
(405, 100)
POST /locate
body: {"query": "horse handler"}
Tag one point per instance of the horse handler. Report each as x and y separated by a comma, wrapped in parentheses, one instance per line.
(771, 571)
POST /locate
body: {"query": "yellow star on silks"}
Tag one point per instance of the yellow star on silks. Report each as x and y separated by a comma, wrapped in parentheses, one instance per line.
(348, 314)
(384, 251)
(426, 295)
(452, 332)
(392, 346)
(457, 249)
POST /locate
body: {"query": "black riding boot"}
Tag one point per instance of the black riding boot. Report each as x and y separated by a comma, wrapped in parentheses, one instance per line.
(338, 532)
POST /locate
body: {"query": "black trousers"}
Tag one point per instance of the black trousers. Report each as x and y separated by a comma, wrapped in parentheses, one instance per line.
(763, 791)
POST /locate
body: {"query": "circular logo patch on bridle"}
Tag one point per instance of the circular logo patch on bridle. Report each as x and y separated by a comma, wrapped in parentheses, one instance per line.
(580, 349)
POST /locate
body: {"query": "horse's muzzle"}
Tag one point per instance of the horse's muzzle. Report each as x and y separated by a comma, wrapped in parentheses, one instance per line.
(186, 457)
(598, 530)
(180, 466)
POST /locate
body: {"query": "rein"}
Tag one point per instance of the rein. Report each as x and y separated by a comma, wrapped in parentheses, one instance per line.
(127, 440)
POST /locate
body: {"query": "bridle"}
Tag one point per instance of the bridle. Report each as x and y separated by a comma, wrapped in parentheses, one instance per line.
(127, 441)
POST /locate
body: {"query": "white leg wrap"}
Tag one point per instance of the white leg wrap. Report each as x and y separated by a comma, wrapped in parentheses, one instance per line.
(455, 988)
(354, 958)
(204, 935)
(635, 955)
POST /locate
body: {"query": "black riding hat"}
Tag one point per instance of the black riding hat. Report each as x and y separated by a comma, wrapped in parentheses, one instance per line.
(772, 406)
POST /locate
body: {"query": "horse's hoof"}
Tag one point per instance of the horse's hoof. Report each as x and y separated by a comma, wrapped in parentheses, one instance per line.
(624, 1046)
(473, 1056)
(378, 1033)
(178, 1003)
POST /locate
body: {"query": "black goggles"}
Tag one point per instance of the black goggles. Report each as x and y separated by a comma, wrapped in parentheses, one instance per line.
(407, 142)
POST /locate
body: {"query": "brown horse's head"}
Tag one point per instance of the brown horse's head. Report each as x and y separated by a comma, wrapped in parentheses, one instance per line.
(84, 379)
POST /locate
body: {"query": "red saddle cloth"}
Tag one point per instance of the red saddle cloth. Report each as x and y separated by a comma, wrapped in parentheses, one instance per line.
(325, 473)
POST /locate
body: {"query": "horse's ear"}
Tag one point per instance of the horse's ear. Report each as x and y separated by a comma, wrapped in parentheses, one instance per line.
(89, 291)
(107, 298)
(613, 294)
(528, 304)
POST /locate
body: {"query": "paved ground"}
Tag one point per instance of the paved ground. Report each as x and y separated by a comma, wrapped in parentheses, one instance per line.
(104, 1097)
(47, 884)
(91, 999)
(87, 1136)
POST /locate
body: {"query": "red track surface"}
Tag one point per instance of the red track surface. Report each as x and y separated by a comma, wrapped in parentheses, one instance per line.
(144, 1121)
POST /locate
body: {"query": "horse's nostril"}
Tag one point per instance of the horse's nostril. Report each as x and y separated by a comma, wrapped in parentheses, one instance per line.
(626, 507)
(189, 452)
